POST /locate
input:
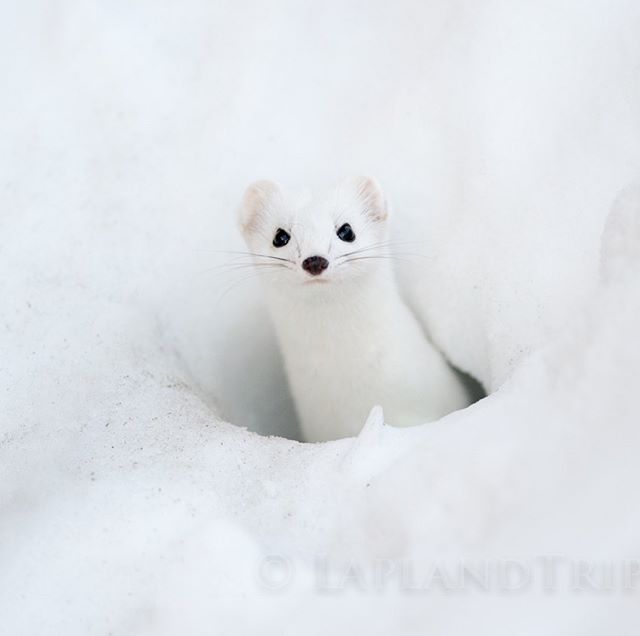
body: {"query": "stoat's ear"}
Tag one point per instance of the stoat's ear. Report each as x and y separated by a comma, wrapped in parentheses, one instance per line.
(369, 194)
(258, 198)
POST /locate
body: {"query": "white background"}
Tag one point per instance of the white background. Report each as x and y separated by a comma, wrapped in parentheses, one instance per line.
(503, 133)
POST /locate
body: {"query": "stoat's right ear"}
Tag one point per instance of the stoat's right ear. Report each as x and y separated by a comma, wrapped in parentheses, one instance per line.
(258, 198)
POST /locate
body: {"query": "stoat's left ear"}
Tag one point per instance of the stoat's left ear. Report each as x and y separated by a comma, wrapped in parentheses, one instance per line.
(370, 195)
(258, 199)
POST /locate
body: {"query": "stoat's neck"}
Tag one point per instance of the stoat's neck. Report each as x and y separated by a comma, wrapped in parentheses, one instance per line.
(344, 302)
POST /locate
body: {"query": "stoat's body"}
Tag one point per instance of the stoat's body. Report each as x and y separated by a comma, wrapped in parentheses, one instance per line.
(348, 339)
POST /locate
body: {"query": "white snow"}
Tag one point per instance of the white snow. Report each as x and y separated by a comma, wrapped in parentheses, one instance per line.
(506, 135)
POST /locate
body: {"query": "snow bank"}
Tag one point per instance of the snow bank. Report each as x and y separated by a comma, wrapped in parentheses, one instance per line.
(504, 135)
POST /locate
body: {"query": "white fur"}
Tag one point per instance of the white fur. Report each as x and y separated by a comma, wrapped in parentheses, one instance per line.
(349, 340)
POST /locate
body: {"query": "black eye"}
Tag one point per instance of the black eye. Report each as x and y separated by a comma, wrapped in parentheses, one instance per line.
(345, 233)
(281, 238)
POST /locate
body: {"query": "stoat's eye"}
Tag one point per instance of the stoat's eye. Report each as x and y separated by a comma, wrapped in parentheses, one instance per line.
(345, 233)
(281, 238)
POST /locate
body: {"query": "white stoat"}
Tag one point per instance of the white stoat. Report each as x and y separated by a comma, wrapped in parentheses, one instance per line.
(349, 340)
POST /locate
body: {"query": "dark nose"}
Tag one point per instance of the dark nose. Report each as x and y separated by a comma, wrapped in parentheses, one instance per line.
(315, 265)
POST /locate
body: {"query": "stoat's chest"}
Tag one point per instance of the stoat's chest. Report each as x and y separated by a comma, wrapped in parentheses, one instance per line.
(345, 338)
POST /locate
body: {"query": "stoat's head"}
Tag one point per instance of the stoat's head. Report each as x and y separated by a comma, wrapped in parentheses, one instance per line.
(332, 239)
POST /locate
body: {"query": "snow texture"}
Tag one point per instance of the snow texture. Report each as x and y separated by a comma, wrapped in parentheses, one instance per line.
(506, 135)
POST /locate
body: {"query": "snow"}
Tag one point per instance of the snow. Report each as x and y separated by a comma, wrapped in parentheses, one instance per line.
(506, 137)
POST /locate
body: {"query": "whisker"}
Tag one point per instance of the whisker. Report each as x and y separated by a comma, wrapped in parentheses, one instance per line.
(253, 265)
(384, 245)
(235, 284)
(275, 258)
(230, 267)
(400, 256)
(377, 256)
(364, 249)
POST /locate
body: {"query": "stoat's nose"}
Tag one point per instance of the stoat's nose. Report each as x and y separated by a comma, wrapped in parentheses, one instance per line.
(315, 265)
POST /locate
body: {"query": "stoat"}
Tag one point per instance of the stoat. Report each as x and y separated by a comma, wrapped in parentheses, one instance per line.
(348, 339)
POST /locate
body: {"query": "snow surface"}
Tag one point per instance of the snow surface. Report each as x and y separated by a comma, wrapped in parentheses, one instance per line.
(506, 135)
